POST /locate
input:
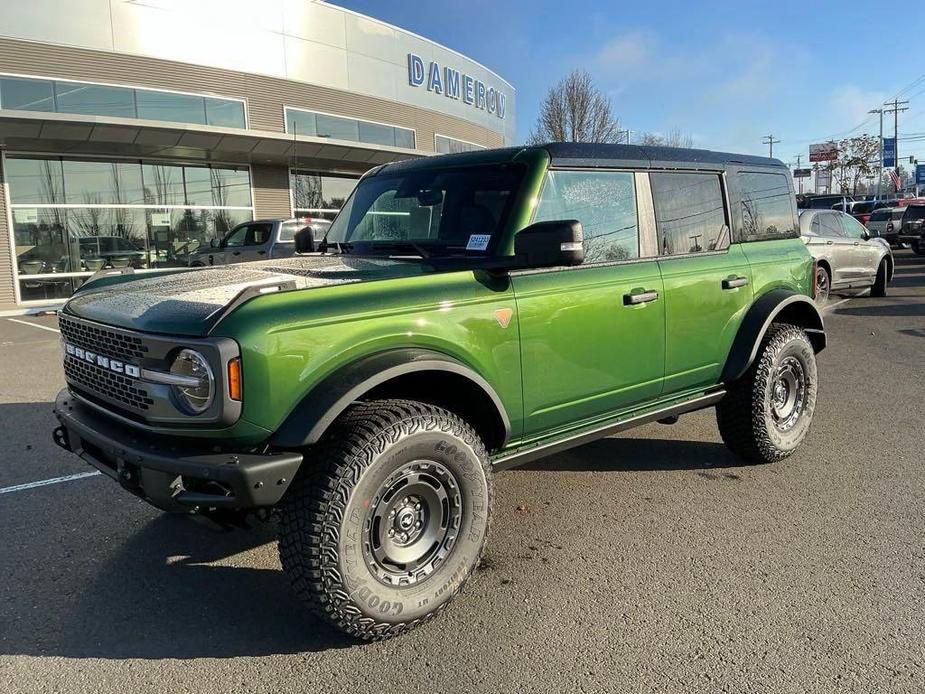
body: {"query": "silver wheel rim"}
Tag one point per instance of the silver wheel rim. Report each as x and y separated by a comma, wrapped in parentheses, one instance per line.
(412, 523)
(822, 285)
(788, 394)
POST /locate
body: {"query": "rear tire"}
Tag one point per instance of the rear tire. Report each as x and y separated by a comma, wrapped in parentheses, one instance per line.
(388, 517)
(767, 413)
(879, 286)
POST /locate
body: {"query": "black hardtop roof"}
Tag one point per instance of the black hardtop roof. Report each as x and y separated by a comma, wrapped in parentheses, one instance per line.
(588, 154)
(594, 154)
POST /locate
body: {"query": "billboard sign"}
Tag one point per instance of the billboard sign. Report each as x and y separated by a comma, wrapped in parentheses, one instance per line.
(889, 151)
(824, 151)
(802, 173)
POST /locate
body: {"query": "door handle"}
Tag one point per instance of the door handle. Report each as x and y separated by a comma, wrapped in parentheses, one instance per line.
(236, 253)
(829, 243)
(734, 282)
(261, 252)
(636, 298)
(857, 243)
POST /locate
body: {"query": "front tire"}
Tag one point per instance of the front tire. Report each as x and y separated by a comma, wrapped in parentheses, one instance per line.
(766, 414)
(389, 517)
(879, 286)
(823, 285)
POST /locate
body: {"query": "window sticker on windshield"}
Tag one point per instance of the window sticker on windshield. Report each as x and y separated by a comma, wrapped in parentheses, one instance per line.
(478, 242)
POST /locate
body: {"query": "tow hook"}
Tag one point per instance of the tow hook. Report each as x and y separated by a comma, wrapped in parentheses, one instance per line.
(59, 436)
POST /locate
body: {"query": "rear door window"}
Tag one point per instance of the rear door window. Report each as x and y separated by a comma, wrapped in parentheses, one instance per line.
(690, 214)
(768, 210)
(829, 225)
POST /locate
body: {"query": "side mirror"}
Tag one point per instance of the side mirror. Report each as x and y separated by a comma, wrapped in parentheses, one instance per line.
(866, 235)
(214, 243)
(304, 241)
(549, 244)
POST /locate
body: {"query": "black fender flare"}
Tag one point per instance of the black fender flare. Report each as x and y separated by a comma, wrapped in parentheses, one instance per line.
(776, 305)
(322, 404)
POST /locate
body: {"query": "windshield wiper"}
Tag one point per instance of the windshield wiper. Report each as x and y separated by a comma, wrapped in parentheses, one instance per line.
(401, 246)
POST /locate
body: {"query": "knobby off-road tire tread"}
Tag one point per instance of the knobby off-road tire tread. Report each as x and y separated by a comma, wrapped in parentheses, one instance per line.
(313, 508)
(740, 414)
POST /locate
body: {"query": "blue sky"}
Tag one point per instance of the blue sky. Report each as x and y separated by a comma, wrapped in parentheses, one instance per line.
(726, 73)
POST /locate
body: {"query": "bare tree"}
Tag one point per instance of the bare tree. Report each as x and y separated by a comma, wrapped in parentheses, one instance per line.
(574, 110)
(857, 159)
(674, 138)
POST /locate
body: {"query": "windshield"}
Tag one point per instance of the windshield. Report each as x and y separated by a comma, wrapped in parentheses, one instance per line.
(428, 212)
(914, 212)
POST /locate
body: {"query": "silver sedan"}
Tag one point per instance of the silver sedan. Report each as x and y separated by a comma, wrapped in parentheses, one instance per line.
(847, 258)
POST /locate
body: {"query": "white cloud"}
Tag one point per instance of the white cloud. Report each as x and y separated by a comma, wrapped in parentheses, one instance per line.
(849, 105)
(627, 55)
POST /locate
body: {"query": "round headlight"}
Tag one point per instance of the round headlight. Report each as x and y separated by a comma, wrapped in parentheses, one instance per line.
(195, 399)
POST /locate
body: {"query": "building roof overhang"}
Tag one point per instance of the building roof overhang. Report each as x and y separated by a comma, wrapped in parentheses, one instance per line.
(75, 135)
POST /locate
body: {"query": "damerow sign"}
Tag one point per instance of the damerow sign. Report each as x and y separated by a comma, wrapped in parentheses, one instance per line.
(453, 84)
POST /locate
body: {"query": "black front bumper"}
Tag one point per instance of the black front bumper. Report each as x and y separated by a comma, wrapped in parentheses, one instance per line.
(171, 475)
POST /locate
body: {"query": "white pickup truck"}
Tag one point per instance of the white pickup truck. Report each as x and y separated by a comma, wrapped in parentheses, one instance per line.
(261, 239)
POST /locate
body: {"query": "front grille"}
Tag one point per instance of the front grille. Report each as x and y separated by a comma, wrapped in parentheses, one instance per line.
(99, 381)
(101, 340)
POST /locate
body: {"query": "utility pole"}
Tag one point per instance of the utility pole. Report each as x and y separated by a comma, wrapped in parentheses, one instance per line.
(800, 179)
(770, 142)
(880, 167)
(896, 110)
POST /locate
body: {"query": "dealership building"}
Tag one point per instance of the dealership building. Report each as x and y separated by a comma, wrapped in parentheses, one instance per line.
(133, 132)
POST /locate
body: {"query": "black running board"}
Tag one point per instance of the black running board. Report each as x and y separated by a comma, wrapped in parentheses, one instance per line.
(541, 451)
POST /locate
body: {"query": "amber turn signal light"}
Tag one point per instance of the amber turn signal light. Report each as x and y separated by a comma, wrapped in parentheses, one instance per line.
(235, 385)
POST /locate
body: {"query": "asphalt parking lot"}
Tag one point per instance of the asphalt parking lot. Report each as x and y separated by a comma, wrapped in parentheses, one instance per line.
(651, 561)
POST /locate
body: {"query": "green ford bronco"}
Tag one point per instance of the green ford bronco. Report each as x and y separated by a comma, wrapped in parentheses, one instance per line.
(464, 314)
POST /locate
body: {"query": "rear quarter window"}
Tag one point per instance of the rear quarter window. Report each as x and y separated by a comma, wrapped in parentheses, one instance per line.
(767, 207)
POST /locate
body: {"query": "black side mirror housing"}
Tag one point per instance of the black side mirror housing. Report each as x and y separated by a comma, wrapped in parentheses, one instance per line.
(214, 243)
(866, 235)
(304, 240)
(550, 244)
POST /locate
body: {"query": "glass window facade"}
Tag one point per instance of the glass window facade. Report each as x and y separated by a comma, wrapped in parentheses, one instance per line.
(63, 96)
(449, 145)
(301, 122)
(73, 217)
(319, 195)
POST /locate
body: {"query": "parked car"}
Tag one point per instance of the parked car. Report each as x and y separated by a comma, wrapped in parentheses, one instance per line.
(822, 202)
(847, 258)
(912, 229)
(479, 310)
(261, 239)
(885, 223)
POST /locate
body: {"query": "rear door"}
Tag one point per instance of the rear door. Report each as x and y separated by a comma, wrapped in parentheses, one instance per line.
(707, 280)
(592, 336)
(840, 250)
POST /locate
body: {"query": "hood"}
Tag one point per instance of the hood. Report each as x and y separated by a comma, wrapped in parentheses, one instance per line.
(191, 302)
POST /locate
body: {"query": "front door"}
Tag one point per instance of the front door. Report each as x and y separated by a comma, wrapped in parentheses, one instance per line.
(248, 242)
(866, 253)
(593, 336)
(707, 281)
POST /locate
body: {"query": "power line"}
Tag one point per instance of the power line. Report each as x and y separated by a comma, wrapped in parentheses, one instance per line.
(770, 142)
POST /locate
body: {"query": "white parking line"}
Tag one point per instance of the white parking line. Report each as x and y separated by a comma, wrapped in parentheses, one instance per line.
(34, 325)
(45, 483)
